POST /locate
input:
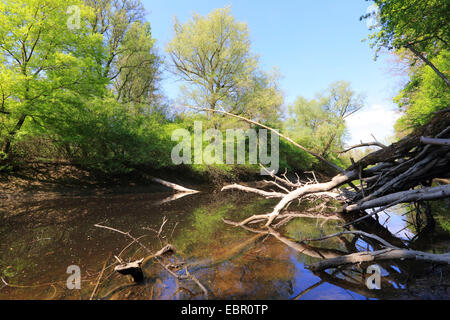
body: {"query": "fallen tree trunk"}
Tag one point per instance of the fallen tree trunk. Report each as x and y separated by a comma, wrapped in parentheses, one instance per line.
(399, 173)
(132, 268)
(429, 193)
(439, 142)
(386, 176)
(173, 186)
(385, 254)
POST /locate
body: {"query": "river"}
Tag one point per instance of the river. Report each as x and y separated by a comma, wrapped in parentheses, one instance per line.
(40, 238)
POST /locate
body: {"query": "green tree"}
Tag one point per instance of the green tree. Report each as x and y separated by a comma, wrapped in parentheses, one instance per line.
(417, 25)
(131, 63)
(139, 67)
(44, 61)
(423, 95)
(260, 99)
(320, 123)
(213, 55)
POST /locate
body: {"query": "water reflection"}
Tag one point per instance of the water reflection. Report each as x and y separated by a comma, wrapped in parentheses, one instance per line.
(41, 238)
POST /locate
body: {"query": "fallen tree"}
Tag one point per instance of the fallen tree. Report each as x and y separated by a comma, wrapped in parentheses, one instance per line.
(389, 176)
(402, 172)
(385, 254)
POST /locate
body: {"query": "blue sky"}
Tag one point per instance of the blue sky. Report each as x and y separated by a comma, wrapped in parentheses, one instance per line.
(312, 43)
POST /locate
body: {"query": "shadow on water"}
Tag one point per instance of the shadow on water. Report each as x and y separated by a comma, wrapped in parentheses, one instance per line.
(41, 238)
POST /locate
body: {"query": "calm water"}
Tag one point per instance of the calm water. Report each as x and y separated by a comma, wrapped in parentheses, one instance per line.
(39, 239)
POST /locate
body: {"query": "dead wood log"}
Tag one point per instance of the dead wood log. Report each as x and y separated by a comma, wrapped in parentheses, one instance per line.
(387, 184)
(439, 142)
(173, 186)
(134, 268)
(131, 268)
(385, 254)
(387, 175)
(428, 193)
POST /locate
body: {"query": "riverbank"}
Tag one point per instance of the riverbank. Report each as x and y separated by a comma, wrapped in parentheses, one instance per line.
(51, 179)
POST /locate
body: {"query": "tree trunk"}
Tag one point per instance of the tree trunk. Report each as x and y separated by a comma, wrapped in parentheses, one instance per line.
(385, 254)
(428, 62)
(7, 144)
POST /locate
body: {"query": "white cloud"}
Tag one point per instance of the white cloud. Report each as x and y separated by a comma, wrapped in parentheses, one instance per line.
(377, 120)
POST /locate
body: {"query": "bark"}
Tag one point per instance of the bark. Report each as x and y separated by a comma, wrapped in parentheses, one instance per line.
(387, 175)
(263, 193)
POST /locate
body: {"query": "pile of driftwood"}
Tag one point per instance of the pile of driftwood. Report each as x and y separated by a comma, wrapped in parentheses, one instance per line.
(400, 173)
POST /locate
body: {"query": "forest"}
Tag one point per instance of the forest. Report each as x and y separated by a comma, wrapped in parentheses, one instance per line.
(87, 133)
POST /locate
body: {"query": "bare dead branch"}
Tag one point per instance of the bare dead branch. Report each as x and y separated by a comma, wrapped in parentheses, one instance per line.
(265, 194)
(284, 181)
(367, 144)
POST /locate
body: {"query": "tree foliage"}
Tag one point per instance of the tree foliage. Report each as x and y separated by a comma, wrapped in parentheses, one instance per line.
(42, 61)
(212, 55)
(418, 32)
(131, 63)
(89, 90)
(320, 123)
(423, 95)
(420, 26)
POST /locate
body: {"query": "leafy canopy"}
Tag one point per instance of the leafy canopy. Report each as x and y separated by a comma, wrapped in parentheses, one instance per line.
(422, 23)
(212, 55)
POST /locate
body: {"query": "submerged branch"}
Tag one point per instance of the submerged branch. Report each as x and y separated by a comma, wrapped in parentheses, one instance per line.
(357, 232)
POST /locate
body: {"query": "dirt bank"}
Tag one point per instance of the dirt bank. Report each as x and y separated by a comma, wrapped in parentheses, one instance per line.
(52, 179)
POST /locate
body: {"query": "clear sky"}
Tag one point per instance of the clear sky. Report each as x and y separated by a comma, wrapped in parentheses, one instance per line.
(312, 43)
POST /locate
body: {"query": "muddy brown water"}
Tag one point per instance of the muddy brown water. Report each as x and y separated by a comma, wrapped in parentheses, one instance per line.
(39, 239)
